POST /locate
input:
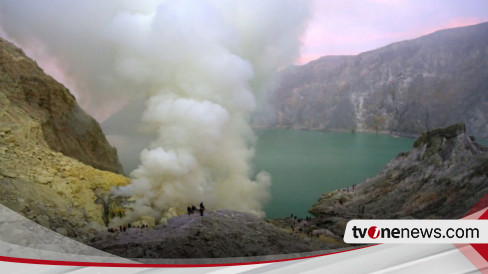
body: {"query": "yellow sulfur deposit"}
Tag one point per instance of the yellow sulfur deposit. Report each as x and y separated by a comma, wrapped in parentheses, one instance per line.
(46, 186)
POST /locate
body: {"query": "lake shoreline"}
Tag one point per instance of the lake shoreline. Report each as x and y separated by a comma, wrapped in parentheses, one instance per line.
(305, 164)
(352, 131)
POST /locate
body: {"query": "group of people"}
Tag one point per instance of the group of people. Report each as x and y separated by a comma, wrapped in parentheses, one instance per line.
(349, 189)
(124, 228)
(307, 218)
(303, 226)
(193, 208)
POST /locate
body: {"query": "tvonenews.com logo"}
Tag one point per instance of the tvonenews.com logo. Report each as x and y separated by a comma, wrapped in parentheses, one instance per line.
(374, 232)
(417, 231)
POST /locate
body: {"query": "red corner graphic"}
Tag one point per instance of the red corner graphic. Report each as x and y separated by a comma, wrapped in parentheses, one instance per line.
(477, 254)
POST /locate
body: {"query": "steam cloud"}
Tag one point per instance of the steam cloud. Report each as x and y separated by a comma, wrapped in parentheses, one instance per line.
(201, 66)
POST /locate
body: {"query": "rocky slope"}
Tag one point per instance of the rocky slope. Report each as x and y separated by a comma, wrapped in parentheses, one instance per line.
(48, 147)
(65, 127)
(405, 88)
(442, 177)
(218, 234)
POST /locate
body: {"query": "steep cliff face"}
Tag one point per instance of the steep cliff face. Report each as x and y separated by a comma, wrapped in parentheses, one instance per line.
(66, 128)
(405, 88)
(40, 126)
(442, 177)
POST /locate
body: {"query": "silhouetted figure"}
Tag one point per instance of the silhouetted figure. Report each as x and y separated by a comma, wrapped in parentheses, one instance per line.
(128, 225)
(202, 208)
(120, 228)
(291, 215)
(189, 210)
(125, 228)
(193, 208)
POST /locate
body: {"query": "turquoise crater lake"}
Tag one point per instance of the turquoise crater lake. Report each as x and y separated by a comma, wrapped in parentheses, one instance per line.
(306, 164)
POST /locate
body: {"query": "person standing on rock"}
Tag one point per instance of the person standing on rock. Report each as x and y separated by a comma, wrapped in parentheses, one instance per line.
(202, 208)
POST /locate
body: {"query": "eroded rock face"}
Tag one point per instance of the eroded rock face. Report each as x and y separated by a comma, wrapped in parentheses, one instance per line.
(217, 234)
(40, 126)
(65, 127)
(442, 177)
(405, 88)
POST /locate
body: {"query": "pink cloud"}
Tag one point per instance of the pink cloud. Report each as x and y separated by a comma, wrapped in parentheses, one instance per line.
(350, 27)
(305, 58)
(319, 42)
(461, 22)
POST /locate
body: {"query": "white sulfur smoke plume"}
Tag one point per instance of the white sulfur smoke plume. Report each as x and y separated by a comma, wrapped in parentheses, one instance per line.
(201, 65)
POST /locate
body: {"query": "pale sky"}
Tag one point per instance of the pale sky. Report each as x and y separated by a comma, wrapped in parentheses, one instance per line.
(351, 26)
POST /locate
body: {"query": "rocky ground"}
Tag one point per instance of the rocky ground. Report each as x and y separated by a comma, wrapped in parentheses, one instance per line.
(442, 177)
(218, 234)
(48, 187)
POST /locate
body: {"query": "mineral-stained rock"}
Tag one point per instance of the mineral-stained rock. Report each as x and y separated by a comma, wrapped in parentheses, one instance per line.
(48, 148)
(405, 88)
(442, 177)
(64, 126)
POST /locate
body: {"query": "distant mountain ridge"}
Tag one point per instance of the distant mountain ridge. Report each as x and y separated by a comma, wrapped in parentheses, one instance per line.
(404, 88)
